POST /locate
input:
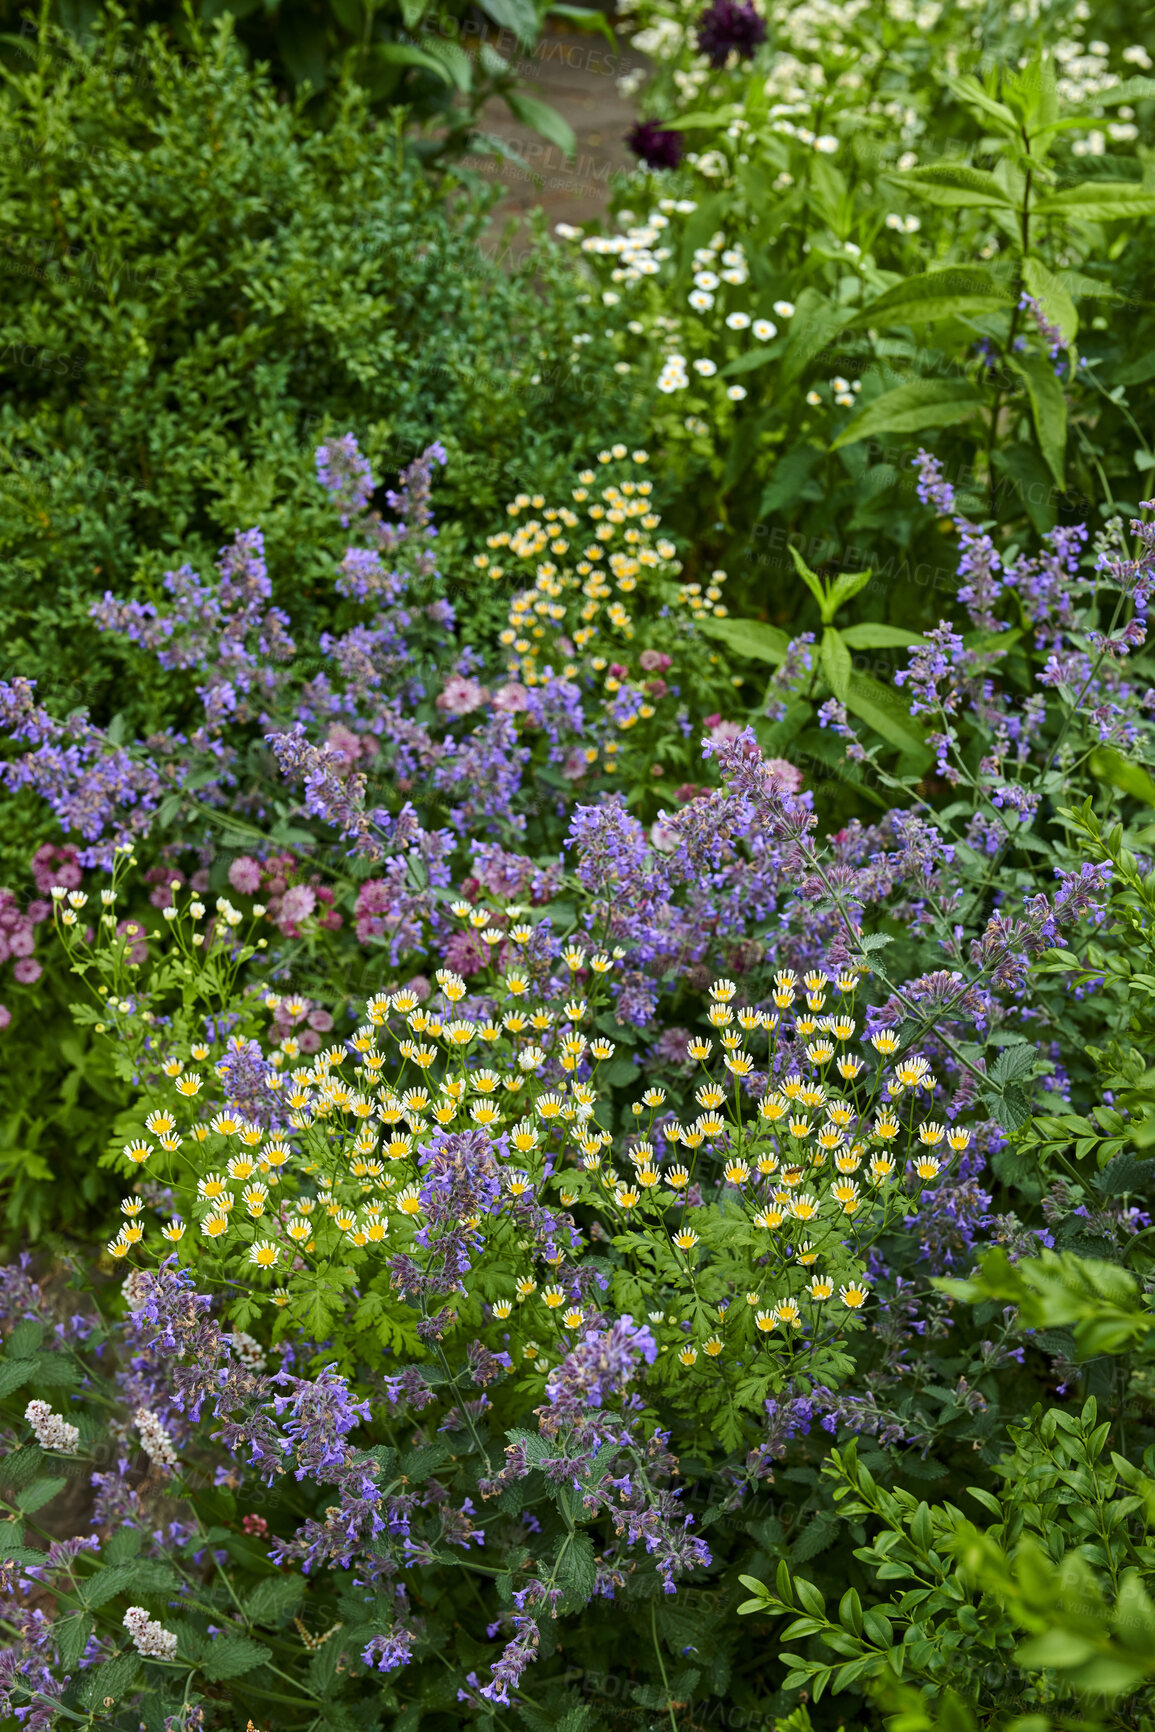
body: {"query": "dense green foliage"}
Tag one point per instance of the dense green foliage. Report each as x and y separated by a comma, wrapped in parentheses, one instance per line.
(199, 286)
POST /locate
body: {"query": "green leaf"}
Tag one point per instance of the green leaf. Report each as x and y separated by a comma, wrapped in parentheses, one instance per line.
(25, 1340)
(584, 18)
(233, 1656)
(71, 1635)
(520, 16)
(850, 1612)
(1109, 766)
(543, 119)
(395, 54)
(14, 1373)
(455, 60)
(880, 637)
(954, 185)
(969, 90)
(36, 1495)
(113, 1679)
(701, 120)
(941, 294)
(1014, 1063)
(1048, 409)
(1131, 90)
(412, 12)
(273, 1599)
(882, 709)
(749, 637)
(844, 588)
(912, 408)
(812, 581)
(1099, 201)
(815, 325)
(836, 663)
(1052, 295)
(746, 363)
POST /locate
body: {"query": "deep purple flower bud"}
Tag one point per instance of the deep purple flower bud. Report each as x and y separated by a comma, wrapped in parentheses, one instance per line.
(730, 25)
(654, 145)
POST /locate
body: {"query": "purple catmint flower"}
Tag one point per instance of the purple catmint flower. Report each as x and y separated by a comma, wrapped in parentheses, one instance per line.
(931, 486)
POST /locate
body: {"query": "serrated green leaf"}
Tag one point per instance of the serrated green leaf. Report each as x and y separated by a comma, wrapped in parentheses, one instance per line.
(273, 1599)
(112, 1679)
(233, 1656)
(36, 1495)
(71, 1634)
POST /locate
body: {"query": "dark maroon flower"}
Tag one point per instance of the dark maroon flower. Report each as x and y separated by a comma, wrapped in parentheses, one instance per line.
(726, 25)
(655, 146)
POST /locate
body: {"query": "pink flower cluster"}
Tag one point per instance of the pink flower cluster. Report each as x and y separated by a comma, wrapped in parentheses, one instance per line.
(289, 903)
(291, 1013)
(51, 867)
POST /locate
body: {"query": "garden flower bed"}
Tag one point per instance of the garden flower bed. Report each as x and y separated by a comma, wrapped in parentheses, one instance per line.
(580, 1088)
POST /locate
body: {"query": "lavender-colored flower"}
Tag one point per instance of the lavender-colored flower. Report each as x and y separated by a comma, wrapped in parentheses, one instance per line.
(932, 486)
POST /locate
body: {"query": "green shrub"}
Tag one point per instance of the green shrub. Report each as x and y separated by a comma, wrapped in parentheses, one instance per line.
(199, 286)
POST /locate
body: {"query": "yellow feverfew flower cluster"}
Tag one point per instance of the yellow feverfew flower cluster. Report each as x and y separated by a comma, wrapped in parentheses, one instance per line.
(583, 563)
(457, 1155)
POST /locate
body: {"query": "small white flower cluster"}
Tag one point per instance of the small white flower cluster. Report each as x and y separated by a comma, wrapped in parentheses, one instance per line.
(52, 1430)
(135, 1287)
(673, 376)
(154, 1439)
(249, 1351)
(908, 225)
(149, 1637)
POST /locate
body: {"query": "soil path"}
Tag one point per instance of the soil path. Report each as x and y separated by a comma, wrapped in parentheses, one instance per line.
(577, 73)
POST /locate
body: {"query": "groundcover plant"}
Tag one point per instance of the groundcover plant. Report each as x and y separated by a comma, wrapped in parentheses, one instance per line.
(580, 1109)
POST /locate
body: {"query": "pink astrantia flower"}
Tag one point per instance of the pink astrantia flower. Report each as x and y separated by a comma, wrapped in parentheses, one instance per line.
(27, 970)
(297, 904)
(460, 694)
(510, 697)
(245, 875)
(787, 776)
(575, 764)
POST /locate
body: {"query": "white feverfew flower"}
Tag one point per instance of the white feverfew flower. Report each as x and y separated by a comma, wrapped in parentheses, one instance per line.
(735, 393)
(706, 368)
(701, 301)
(738, 321)
(764, 329)
(827, 144)
(784, 309)
(705, 280)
